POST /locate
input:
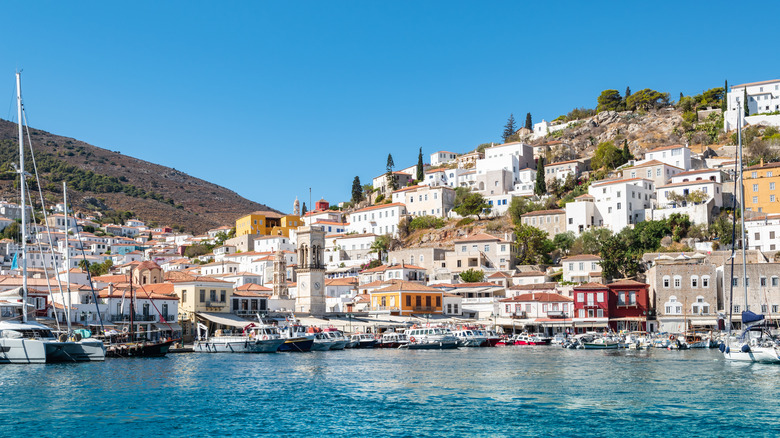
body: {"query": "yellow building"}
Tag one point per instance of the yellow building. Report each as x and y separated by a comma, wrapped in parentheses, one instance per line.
(266, 223)
(406, 298)
(199, 296)
(762, 188)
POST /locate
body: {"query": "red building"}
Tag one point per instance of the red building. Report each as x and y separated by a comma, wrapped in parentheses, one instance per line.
(629, 305)
(591, 307)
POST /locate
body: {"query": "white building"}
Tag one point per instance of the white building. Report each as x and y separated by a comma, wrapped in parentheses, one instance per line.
(581, 268)
(762, 97)
(675, 155)
(272, 244)
(657, 171)
(377, 219)
(582, 214)
(763, 232)
(621, 202)
(426, 200)
(348, 249)
(511, 157)
(443, 157)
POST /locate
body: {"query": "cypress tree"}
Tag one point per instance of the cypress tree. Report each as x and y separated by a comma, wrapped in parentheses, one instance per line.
(528, 124)
(357, 190)
(628, 92)
(626, 152)
(304, 210)
(510, 128)
(724, 103)
(420, 173)
(747, 108)
(390, 175)
(541, 186)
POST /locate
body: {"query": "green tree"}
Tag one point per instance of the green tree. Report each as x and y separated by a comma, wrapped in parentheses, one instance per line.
(420, 172)
(541, 185)
(724, 103)
(628, 92)
(564, 241)
(472, 276)
(357, 191)
(745, 99)
(646, 99)
(528, 124)
(520, 206)
(590, 241)
(474, 203)
(304, 210)
(381, 245)
(510, 128)
(607, 156)
(626, 152)
(609, 100)
(391, 181)
(617, 259)
(13, 231)
(533, 246)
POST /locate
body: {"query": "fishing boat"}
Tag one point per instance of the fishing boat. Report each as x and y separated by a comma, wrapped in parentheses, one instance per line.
(430, 338)
(364, 340)
(469, 338)
(392, 340)
(531, 339)
(752, 345)
(602, 343)
(295, 338)
(254, 339)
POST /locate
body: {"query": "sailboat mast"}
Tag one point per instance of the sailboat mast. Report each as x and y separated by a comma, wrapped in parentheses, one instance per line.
(23, 200)
(132, 308)
(742, 204)
(67, 253)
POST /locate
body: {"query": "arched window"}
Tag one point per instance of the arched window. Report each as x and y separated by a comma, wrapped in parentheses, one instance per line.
(700, 306)
(673, 307)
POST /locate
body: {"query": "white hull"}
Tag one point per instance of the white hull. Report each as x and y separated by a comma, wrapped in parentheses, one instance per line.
(22, 351)
(237, 344)
(756, 354)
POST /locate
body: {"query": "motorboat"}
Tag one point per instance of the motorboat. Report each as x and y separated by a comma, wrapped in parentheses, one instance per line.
(601, 343)
(364, 340)
(430, 338)
(340, 341)
(392, 340)
(531, 339)
(263, 339)
(469, 338)
(295, 338)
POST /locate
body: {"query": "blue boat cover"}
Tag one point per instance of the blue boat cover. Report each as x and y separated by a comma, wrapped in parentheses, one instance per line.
(748, 317)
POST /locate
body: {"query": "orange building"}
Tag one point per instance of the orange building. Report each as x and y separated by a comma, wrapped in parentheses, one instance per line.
(762, 188)
(406, 298)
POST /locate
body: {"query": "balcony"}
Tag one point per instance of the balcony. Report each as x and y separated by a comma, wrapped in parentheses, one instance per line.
(215, 304)
(424, 309)
(252, 313)
(394, 308)
(136, 318)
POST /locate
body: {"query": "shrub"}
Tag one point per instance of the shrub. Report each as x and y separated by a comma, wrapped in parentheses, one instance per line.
(425, 222)
(465, 221)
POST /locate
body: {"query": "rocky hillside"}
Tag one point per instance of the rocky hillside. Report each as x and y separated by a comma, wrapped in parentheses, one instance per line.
(643, 131)
(100, 180)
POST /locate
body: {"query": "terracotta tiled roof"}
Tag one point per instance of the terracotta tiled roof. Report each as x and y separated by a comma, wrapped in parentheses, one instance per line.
(544, 212)
(481, 237)
(689, 183)
(543, 297)
(615, 181)
(666, 148)
(535, 286)
(626, 282)
(407, 286)
(499, 274)
(529, 274)
(581, 257)
(750, 84)
(561, 162)
(696, 172)
(343, 281)
(252, 287)
(590, 286)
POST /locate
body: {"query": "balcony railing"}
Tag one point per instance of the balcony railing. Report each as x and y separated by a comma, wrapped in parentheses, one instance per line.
(215, 304)
(138, 318)
(424, 309)
(249, 312)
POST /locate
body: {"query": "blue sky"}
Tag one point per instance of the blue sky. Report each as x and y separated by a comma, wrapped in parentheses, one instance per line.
(271, 98)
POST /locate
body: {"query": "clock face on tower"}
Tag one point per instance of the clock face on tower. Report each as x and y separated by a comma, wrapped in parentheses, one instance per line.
(316, 285)
(303, 284)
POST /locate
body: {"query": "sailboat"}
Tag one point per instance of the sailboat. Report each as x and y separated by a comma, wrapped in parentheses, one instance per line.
(129, 344)
(25, 341)
(754, 343)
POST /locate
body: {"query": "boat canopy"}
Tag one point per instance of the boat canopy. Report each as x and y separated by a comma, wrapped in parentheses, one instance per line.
(226, 319)
(748, 317)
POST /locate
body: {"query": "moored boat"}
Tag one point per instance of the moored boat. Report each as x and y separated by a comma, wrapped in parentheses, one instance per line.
(430, 338)
(263, 339)
(469, 338)
(392, 340)
(364, 340)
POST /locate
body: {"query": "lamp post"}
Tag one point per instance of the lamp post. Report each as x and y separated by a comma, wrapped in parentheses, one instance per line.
(349, 316)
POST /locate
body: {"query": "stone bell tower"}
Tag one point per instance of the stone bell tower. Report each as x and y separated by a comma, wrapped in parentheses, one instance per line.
(311, 270)
(280, 275)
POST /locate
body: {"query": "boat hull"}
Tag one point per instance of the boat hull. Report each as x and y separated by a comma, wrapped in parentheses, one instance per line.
(297, 345)
(435, 345)
(756, 354)
(233, 345)
(86, 350)
(154, 349)
(339, 345)
(22, 351)
(367, 344)
(599, 346)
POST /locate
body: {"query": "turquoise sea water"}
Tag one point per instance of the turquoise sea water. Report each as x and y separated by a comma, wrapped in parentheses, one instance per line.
(509, 391)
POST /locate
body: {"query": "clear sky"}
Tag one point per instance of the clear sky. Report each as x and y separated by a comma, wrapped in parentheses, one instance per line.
(271, 98)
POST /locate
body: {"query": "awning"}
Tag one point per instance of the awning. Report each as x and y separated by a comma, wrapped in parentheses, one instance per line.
(591, 324)
(227, 319)
(630, 318)
(703, 322)
(173, 327)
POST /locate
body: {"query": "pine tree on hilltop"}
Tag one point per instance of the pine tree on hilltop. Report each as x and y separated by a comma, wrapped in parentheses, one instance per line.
(528, 124)
(628, 92)
(420, 173)
(510, 128)
(357, 191)
(541, 185)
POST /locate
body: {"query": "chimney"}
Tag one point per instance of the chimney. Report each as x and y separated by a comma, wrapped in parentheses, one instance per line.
(110, 289)
(762, 161)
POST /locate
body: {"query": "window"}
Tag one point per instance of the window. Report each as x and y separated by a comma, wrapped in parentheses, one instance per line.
(582, 313)
(203, 295)
(222, 296)
(694, 281)
(618, 205)
(771, 186)
(600, 313)
(762, 281)
(580, 297)
(621, 299)
(571, 266)
(755, 199)
(600, 297)
(581, 266)
(213, 295)
(775, 281)
(735, 281)
(666, 281)
(747, 281)
(755, 187)
(705, 281)
(487, 248)
(771, 198)
(632, 297)
(677, 281)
